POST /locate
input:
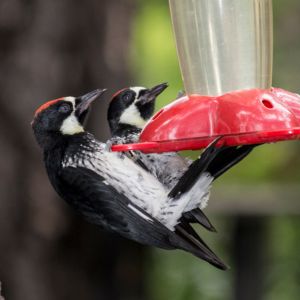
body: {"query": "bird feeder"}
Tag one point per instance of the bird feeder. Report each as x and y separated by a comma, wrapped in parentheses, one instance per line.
(225, 50)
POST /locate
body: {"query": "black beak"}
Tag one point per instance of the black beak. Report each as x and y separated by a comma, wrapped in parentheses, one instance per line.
(86, 100)
(151, 94)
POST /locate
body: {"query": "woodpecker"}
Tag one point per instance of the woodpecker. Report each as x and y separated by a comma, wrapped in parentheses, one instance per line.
(113, 191)
(129, 111)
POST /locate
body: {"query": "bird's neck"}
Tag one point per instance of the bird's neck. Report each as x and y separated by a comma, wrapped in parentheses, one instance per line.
(54, 152)
(124, 130)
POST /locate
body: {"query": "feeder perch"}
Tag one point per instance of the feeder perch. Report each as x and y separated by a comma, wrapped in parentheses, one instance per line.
(225, 52)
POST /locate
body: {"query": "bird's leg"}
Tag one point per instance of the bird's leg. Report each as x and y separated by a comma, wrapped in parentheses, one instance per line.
(132, 155)
(109, 144)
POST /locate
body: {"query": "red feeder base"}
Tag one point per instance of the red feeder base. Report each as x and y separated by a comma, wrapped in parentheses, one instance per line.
(242, 117)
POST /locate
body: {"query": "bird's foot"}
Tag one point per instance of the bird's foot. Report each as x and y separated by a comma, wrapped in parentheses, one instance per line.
(108, 145)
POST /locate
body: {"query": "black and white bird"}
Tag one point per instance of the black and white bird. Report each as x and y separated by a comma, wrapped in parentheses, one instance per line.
(114, 192)
(129, 111)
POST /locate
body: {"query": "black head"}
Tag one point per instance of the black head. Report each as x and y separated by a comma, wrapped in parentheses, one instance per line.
(132, 107)
(61, 117)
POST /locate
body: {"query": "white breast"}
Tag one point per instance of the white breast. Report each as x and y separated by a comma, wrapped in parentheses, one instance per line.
(140, 187)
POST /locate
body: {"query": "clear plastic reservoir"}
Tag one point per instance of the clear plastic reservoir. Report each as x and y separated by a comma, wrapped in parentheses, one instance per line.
(223, 45)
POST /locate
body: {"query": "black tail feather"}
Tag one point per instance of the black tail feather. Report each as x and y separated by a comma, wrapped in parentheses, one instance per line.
(214, 160)
(199, 248)
(187, 226)
(197, 216)
(227, 158)
(199, 166)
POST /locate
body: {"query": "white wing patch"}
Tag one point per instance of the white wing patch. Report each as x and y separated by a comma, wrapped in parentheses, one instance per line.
(140, 213)
(142, 188)
(196, 197)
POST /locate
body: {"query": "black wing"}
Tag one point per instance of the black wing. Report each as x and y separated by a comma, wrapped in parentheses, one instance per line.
(214, 160)
(103, 205)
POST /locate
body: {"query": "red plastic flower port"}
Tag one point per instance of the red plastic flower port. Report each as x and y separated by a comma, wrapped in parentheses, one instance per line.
(242, 117)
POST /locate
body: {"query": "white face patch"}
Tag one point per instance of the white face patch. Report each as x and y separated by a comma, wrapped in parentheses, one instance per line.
(71, 125)
(137, 89)
(131, 114)
(70, 99)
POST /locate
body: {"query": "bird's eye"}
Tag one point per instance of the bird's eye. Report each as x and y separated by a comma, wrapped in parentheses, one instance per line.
(64, 108)
(127, 97)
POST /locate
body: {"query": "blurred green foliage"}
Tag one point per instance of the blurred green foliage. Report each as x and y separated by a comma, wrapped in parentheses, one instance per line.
(153, 52)
(178, 276)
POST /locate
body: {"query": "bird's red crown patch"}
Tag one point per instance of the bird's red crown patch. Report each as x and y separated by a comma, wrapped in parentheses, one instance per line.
(117, 93)
(46, 105)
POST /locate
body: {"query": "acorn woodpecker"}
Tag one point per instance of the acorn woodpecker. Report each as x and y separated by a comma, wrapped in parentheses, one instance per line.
(129, 111)
(111, 190)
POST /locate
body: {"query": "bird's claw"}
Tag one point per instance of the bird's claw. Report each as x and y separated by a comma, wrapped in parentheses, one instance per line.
(108, 145)
(180, 94)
